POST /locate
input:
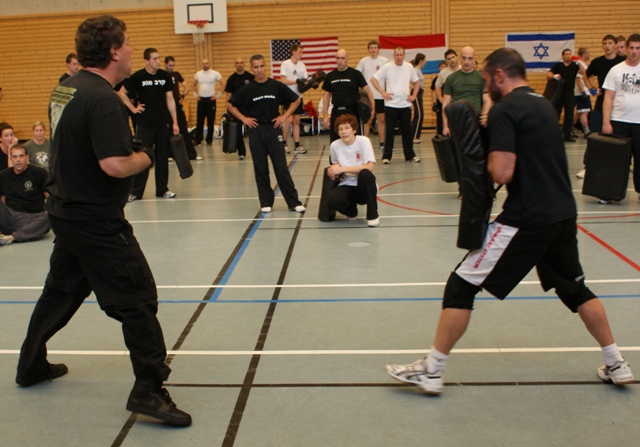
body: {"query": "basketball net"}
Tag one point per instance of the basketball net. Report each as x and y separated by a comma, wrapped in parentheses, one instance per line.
(198, 31)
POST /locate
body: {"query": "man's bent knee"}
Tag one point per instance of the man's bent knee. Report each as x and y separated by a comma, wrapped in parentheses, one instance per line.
(574, 301)
(458, 293)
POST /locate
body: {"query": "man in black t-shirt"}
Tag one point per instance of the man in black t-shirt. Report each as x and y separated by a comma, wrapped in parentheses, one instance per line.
(72, 67)
(236, 81)
(599, 68)
(178, 81)
(342, 88)
(257, 105)
(567, 70)
(537, 227)
(155, 120)
(22, 195)
(93, 159)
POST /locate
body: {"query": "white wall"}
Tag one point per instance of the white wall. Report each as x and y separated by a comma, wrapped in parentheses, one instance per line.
(27, 7)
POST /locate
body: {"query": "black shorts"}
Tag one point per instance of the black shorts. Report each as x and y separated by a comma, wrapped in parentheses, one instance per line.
(379, 105)
(508, 255)
(298, 111)
(583, 104)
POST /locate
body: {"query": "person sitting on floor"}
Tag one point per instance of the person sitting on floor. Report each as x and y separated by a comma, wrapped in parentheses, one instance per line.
(22, 194)
(352, 164)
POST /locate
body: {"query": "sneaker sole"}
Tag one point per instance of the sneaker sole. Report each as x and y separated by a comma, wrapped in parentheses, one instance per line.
(163, 417)
(428, 390)
(609, 379)
(38, 379)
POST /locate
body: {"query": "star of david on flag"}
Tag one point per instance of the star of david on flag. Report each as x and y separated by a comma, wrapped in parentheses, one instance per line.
(541, 51)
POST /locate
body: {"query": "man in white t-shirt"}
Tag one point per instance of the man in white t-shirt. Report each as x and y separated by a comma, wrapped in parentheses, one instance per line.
(368, 66)
(621, 107)
(353, 164)
(398, 96)
(204, 90)
(291, 71)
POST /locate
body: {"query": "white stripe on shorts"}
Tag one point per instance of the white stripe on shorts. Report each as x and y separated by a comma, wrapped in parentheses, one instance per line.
(479, 263)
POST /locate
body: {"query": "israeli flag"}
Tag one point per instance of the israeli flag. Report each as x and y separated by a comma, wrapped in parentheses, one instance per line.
(541, 51)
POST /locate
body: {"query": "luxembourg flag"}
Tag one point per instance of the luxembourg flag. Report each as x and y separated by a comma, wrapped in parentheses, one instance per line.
(432, 46)
(541, 50)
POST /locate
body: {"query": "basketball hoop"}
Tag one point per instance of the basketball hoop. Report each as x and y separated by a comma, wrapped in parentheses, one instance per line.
(198, 32)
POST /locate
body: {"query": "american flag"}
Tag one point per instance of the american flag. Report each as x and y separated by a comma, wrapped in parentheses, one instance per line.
(319, 54)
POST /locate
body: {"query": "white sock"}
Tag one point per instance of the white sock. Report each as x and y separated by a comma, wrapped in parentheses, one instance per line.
(611, 354)
(435, 361)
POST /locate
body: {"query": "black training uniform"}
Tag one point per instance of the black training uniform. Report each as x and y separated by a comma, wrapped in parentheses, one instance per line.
(568, 73)
(153, 126)
(178, 79)
(234, 83)
(600, 67)
(95, 249)
(344, 87)
(262, 100)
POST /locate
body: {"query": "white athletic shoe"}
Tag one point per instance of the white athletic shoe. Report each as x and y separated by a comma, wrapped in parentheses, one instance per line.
(299, 209)
(415, 374)
(265, 209)
(618, 374)
(373, 222)
(580, 174)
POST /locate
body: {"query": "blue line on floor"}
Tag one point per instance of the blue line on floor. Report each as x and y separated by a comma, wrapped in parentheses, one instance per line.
(236, 259)
(351, 300)
(227, 274)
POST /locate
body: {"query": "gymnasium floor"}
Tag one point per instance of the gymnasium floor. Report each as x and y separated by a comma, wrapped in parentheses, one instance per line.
(279, 326)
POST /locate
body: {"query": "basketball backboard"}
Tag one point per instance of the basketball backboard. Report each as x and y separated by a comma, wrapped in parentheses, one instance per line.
(214, 12)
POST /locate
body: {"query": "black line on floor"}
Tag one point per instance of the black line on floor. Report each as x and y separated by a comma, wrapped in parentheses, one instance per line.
(206, 299)
(124, 431)
(392, 385)
(247, 384)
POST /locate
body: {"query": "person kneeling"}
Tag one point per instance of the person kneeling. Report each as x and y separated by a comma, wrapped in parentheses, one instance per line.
(352, 164)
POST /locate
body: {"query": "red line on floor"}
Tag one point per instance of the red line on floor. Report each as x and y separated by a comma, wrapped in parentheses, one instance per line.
(609, 247)
(407, 207)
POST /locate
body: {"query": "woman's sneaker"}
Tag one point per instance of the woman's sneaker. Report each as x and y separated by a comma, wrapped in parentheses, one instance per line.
(416, 374)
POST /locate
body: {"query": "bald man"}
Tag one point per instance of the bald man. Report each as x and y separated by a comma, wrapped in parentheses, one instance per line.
(204, 90)
(342, 88)
(236, 81)
(467, 84)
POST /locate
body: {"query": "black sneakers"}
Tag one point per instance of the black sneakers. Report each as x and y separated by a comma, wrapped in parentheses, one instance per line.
(158, 404)
(55, 371)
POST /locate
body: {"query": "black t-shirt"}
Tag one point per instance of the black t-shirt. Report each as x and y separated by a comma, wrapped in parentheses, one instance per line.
(151, 90)
(88, 123)
(568, 74)
(600, 67)
(177, 79)
(344, 86)
(262, 100)
(64, 77)
(237, 81)
(4, 160)
(24, 192)
(525, 123)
